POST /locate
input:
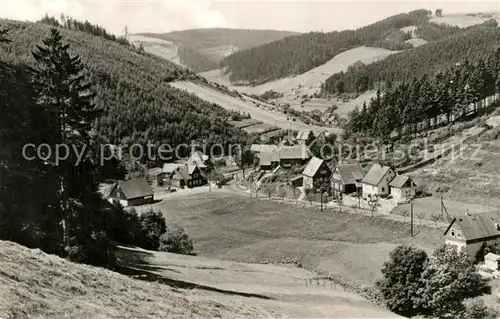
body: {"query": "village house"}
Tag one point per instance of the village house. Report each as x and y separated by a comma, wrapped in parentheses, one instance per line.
(168, 169)
(376, 181)
(316, 174)
(199, 159)
(473, 230)
(346, 178)
(133, 192)
(402, 187)
(188, 175)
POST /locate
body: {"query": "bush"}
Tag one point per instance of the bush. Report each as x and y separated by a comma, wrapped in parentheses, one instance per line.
(125, 225)
(152, 225)
(175, 240)
(477, 310)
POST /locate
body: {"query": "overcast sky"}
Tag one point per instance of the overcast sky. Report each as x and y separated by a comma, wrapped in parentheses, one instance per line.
(169, 15)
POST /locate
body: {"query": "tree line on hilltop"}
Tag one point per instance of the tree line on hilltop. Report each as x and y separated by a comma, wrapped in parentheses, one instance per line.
(475, 42)
(449, 93)
(297, 54)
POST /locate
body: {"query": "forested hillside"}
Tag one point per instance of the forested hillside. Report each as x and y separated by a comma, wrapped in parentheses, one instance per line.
(428, 100)
(202, 49)
(132, 88)
(473, 43)
(297, 54)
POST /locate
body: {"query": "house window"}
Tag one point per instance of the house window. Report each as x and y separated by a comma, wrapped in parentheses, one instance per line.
(383, 189)
(452, 233)
(458, 233)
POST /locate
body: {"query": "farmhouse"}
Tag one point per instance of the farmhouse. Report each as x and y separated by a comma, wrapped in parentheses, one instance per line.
(346, 178)
(316, 173)
(473, 230)
(376, 181)
(132, 192)
(199, 159)
(188, 175)
(402, 187)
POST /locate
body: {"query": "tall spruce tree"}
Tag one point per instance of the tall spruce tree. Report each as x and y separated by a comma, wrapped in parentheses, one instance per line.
(64, 96)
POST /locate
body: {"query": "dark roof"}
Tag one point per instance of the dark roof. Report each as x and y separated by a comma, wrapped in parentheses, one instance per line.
(313, 166)
(350, 173)
(375, 174)
(400, 181)
(478, 226)
(135, 188)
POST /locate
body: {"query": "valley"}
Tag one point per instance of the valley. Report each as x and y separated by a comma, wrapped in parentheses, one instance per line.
(279, 229)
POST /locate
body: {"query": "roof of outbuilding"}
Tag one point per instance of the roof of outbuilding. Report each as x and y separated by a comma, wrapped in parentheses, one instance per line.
(375, 174)
(170, 167)
(267, 158)
(350, 173)
(400, 180)
(303, 135)
(294, 152)
(492, 257)
(312, 167)
(135, 188)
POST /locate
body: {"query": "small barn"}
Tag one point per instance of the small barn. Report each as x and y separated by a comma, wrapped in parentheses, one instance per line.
(188, 175)
(133, 192)
(165, 176)
(491, 261)
(346, 178)
(376, 181)
(402, 187)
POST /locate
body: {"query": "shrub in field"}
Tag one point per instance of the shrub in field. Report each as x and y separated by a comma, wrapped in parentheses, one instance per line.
(175, 240)
(477, 309)
(402, 279)
(152, 226)
(438, 286)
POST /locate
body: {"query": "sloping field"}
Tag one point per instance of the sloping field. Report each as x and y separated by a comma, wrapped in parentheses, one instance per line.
(263, 114)
(36, 285)
(278, 289)
(164, 49)
(463, 20)
(348, 246)
(310, 81)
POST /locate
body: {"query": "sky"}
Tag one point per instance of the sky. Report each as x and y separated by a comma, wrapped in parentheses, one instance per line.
(170, 15)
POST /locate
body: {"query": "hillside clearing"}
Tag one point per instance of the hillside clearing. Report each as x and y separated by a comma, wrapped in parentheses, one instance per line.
(263, 114)
(37, 285)
(161, 48)
(248, 230)
(310, 81)
(464, 20)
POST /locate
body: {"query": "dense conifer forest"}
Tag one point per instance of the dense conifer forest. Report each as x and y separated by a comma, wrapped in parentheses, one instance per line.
(132, 89)
(473, 43)
(297, 54)
(426, 101)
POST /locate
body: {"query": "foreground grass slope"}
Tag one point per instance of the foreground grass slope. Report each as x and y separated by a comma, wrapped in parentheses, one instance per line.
(347, 246)
(36, 285)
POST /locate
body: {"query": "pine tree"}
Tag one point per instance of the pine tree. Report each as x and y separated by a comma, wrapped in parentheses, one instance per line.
(65, 98)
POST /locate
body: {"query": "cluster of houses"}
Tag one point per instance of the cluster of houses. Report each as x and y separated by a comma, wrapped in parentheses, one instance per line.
(187, 174)
(345, 178)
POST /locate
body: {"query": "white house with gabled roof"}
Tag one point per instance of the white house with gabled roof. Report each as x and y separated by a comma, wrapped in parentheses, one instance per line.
(376, 181)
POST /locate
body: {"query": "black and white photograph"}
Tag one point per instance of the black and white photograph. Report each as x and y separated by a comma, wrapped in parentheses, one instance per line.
(249, 159)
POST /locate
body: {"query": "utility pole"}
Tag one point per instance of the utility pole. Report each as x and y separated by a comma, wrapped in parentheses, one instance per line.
(411, 219)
